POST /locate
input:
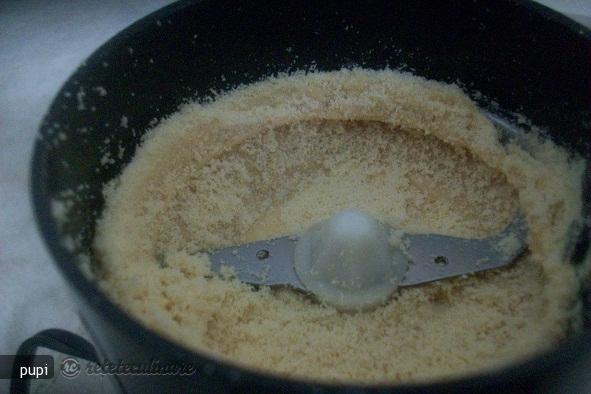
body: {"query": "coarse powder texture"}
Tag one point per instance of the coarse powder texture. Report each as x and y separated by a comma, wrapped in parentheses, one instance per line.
(275, 157)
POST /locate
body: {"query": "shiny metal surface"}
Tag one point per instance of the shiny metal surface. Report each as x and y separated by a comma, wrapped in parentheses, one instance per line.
(435, 257)
(250, 266)
(432, 257)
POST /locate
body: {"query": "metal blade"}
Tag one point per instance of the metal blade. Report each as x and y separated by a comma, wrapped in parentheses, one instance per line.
(432, 257)
(268, 262)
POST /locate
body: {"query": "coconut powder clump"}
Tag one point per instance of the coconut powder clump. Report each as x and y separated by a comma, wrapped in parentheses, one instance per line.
(275, 157)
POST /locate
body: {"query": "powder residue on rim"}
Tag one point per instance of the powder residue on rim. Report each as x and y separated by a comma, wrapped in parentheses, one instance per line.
(273, 158)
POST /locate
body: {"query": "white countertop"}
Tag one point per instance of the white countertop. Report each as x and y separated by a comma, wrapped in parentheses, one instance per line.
(41, 43)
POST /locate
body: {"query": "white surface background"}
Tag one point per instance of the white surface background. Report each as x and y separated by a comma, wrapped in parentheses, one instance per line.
(41, 43)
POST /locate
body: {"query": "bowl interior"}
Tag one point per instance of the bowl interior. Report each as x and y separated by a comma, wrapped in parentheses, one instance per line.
(509, 57)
